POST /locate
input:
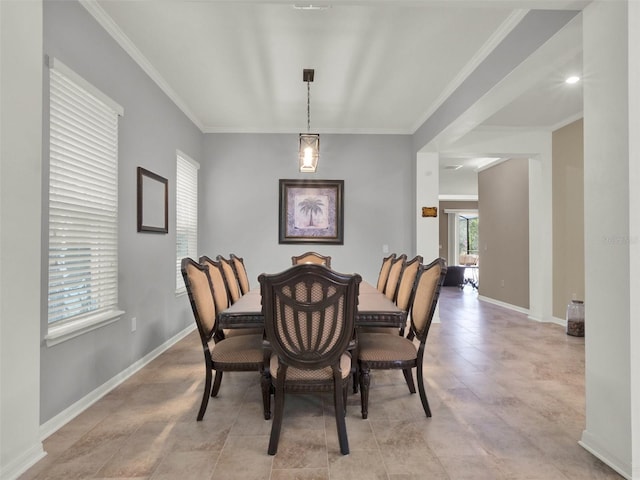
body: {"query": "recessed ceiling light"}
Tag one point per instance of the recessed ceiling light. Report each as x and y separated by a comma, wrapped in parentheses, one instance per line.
(572, 79)
(452, 167)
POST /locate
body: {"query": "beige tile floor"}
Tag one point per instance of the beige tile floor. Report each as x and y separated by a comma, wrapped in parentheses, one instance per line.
(507, 396)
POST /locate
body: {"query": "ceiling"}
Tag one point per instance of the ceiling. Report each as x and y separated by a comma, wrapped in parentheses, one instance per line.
(380, 66)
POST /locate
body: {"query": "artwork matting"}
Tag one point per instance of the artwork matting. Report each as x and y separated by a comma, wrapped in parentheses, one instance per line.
(311, 211)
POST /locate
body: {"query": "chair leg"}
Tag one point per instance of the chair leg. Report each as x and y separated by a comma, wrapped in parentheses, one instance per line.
(265, 380)
(356, 380)
(339, 393)
(423, 392)
(345, 391)
(216, 383)
(409, 379)
(278, 413)
(364, 390)
(205, 395)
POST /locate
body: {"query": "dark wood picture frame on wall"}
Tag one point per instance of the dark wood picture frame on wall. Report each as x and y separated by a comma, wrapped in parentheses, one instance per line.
(153, 202)
(311, 211)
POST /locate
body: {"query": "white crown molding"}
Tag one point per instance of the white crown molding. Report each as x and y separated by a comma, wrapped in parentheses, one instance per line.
(550, 128)
(457, 198)
(321, 131)
(492, 164)
(567, 121)
(494, 40)
(125, 42)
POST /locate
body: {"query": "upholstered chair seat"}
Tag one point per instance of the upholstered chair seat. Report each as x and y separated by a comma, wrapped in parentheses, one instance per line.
(378, 347)
(241, 349)
(323, 374)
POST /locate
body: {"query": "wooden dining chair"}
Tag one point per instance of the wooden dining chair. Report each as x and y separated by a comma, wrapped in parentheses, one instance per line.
(383, 275)
(309, 316)
(407, 282)
(232, 281)
(221, 296)
(311, 257)
(384, 351)
(218, 281)
(403, 295)
(241, 273)
(238, 354)
(394, 277)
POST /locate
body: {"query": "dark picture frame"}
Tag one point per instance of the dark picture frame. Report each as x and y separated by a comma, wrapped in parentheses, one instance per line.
(311, 211)
(153, 202)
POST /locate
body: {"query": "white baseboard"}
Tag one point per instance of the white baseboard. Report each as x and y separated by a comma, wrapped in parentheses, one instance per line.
(18, 466)
(559, 321)
(52, 425)
(592, 445)
(436, 315)
(504, 305)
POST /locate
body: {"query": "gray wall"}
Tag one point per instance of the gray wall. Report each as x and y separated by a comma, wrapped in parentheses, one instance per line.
(239, 198)
(150, 132)
(503, 209)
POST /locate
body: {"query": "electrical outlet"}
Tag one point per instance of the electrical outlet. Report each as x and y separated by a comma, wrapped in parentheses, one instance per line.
(133, 324)
(502, 283)
(385, 249)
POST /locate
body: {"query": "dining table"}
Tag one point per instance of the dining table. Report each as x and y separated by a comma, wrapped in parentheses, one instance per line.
(374, 310)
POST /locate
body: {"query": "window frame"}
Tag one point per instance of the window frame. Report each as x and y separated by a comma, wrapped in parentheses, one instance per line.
(192, 168)
(79, 91)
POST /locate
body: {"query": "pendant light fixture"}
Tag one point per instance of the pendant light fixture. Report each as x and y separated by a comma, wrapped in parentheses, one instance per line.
(309, 150)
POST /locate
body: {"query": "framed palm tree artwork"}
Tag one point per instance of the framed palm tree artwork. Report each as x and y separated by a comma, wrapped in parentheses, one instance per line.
(311, 211)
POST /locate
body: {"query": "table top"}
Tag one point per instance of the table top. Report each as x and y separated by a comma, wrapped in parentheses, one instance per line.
(374, 309)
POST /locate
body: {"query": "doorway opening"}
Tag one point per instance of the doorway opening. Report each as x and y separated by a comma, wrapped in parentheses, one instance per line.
(464, 245)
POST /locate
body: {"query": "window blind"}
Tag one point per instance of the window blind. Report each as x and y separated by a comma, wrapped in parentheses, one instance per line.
(186, 213)
(83, 202)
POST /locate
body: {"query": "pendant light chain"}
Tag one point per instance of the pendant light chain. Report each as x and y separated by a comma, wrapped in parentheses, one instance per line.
(308, 108)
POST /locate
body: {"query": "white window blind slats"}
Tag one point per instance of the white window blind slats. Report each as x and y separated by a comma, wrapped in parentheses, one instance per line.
(76, 274)
(186, 213)
(82, 305)
(77, 158)
(86, 214)
(83, 202)
(73, 147)
(86, 128)
(68, 198)
(77, 234)
(69, 121)
(102, 272)
(60, 301)
(77, 98)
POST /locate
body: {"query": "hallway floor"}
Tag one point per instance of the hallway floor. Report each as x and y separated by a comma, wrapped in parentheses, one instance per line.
(507, 396)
